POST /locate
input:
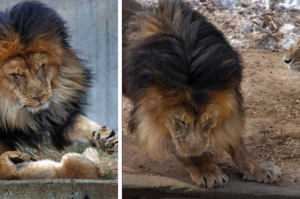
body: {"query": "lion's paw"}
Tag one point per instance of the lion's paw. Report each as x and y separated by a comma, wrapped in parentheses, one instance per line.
(105, 139)
(90, 153)
(15, 156)
(209, 179)
(264, 173)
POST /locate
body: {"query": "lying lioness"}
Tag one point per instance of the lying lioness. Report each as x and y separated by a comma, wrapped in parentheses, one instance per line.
(16, 165)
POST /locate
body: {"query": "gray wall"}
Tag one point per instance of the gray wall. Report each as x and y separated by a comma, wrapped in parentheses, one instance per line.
(93, 26)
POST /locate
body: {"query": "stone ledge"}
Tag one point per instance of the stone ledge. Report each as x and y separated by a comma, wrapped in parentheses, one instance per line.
(153, 187)
(59, 189)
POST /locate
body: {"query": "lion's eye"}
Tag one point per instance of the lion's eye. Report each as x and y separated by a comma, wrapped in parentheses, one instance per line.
(17, 75)
(182, 123)
(178, 121)
(41, 67)
(207, 122)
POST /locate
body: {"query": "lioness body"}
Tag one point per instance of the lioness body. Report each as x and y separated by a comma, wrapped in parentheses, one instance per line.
(72, 166)
(183, 79)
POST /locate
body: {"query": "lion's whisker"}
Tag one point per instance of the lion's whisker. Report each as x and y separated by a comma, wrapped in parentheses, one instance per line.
(15, 109)
(167, 154)
(55, 101)
(58, 95)
(24, 109)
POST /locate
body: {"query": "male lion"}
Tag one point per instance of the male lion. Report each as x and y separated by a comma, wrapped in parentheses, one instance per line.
(43, 84)
(292, 57)
(14, 166)
(183, 79)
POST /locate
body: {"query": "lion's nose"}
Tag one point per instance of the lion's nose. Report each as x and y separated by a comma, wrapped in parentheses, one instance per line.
(39, 97)
(288, 60)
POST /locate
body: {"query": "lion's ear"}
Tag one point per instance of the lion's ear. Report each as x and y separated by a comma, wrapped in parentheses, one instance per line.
(9, 46)
(50, 46)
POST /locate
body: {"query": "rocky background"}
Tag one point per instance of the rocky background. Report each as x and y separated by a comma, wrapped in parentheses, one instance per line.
(262, 24)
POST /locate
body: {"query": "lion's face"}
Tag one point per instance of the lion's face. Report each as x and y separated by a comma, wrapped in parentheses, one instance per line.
(27, 79)
(167, 124)
(190, 129)
(292, 57)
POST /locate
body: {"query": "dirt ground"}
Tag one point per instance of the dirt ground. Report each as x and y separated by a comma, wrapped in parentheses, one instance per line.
(272, 129)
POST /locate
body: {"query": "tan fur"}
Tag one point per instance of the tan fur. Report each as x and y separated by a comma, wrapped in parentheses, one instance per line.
(72, 166)
(292, 57)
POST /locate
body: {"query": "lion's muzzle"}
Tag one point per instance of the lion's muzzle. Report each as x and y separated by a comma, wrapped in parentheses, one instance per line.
(193, 144)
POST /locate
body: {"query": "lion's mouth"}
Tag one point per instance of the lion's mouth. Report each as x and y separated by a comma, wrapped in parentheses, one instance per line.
(187, 153)
(39, 107)
(184, 148)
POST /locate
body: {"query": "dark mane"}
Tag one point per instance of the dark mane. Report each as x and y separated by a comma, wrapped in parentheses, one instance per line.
(183, 52)
(33, 19)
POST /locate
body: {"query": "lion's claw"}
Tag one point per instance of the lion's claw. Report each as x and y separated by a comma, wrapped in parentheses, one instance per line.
(209, 179)
(106, 140)
(264, 173)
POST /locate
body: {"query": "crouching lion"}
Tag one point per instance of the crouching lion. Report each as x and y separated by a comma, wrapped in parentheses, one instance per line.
(183, 79)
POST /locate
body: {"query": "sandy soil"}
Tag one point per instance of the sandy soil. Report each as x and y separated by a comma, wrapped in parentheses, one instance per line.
(272, 130)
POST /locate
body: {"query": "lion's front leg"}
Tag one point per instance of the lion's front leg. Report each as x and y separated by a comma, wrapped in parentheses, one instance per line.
(203, 171)
(230, 139)
(88, 131)
(252, 169)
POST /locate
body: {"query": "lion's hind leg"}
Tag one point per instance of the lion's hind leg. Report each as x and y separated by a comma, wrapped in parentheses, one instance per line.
(8, 160)
(93, 155)
(76, 166)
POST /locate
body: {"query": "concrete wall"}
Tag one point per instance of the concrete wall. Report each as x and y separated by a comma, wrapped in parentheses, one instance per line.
(93, 26)
(59, 189)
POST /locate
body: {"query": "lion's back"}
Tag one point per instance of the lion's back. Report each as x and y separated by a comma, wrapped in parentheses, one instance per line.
(174, 48)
